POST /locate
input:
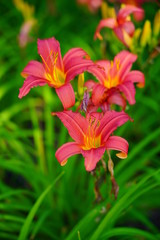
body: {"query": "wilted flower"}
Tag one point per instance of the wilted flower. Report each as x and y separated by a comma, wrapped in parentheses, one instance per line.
(115, 77)
(55, 71)
(92, 136)
(121, 24)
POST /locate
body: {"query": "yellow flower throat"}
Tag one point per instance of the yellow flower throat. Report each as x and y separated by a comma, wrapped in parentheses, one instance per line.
(90, 139)
(112, 81)
(54, 75)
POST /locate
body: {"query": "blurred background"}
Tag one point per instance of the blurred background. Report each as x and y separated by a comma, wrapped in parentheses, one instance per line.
(39, 199)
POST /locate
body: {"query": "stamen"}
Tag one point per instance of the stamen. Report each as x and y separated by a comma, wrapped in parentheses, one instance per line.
(45, 63)
(98, 124)
(55, 57)
(117, 63)
(91, 140)
(112, 79)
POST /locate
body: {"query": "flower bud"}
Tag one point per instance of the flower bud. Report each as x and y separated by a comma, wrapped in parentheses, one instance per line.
(146, 34)
(156, 24)
(81, 84)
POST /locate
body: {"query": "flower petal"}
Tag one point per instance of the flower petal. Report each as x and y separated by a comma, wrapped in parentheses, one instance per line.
(136, 77)
(79, 66)
(127, 10)
(89, 84)
(75, 123)
(34, 68)
(138, 16)
(92, 156)
(104, 64)
(66, 95)
(110, 121)
(29, 83)
(72, 55)
(67, 150)
(129, 91)
(128, 26)
(120, 34)
(47, 49)
(126, 59)
(98, 70)
(109, 22)
(116, 98)
(98, 94)
(119, 144)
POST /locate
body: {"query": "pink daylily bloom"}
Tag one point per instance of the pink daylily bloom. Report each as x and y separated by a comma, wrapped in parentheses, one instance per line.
(137, 3)
(115, 78)
(103, 97)
(121, 25)
(55, 71)
(92, 136)
(93, 5)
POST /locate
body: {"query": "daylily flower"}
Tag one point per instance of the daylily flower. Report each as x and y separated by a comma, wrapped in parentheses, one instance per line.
(121, 25)
(93, 5)
(92, 136)
(137, 3)
(115, 77)
(55, 71)
(103, 97)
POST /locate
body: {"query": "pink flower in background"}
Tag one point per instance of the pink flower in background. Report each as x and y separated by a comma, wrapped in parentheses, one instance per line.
(55, 71)
(25, 30)
(136, 3)
(114, 78)
(92, 136)
(121, 25)
(29, 23)
(93, 5)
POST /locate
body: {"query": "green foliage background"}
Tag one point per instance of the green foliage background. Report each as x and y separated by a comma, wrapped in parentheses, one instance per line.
(38, 198)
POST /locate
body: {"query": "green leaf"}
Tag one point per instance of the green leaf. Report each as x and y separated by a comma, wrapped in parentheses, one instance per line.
(26, 226)
(129, 232)
(122, 203)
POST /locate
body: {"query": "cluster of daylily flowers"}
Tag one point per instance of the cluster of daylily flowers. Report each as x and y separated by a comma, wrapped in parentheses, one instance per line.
(93, 124)
(92, 133)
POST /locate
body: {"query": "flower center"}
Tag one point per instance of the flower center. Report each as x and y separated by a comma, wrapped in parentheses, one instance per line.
(56, 78)
(91, 142)
(54, 75)
(90, 139)
(112, 79)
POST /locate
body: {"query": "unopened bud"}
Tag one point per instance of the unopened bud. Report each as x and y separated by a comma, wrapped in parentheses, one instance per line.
(156, 24)
(81, 84)
(107, 12)
(146, 34)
